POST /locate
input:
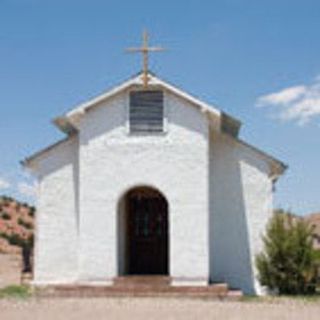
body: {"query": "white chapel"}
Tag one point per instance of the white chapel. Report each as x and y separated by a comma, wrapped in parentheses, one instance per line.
(150, 180)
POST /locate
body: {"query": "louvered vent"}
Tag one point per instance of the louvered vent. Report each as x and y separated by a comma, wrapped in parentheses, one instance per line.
(146, 111)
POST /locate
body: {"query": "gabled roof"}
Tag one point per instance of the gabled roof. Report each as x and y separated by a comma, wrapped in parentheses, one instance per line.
(221, 120)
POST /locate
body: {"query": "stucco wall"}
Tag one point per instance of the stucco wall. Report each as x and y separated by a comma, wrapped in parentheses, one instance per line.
(219, 196)
(240, 206)
(176, 163)
(57, 218)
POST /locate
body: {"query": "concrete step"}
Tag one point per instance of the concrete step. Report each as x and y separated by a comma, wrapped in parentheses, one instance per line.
(153, 281)
(140, 288)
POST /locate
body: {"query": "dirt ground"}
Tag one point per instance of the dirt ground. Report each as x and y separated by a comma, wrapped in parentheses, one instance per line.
(154, 309)
(142, 308)
(10, 266)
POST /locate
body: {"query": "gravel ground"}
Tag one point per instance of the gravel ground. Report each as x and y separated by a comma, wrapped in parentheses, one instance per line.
(155, 308)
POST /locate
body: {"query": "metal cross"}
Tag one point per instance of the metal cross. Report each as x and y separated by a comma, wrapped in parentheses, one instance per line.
(144, 50)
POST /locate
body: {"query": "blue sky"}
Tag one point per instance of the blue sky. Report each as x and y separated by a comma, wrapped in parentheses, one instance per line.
(258, 61)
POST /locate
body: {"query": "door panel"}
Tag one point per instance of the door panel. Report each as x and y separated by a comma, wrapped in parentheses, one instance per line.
(147, 234)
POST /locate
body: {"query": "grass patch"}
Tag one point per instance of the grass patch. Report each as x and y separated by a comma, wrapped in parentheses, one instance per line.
(306, 298)
(15, 291)
(282, 298)
(249, 298)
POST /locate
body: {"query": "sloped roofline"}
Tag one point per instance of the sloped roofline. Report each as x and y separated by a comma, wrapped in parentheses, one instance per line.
(222, 121)
(65, 122)
(277, 167)
(27, 161)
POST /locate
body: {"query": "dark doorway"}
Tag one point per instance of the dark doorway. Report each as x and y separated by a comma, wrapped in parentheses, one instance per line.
(147, 232)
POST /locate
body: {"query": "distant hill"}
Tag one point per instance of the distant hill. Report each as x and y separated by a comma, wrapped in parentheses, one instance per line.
(314, 220)
(16, 224)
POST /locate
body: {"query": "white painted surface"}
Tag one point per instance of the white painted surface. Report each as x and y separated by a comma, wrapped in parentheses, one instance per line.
(56, 251)
(176, 163)
(218, 191)
(240, 206)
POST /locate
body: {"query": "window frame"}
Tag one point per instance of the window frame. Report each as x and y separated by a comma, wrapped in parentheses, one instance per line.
(164, 119)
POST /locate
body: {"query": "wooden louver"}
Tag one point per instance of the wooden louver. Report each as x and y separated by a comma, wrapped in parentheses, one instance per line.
(146, 111)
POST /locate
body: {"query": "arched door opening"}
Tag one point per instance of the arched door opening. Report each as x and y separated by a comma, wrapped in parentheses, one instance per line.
(145, 232)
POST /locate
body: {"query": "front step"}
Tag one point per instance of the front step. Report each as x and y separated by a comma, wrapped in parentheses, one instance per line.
(146, 281)
(142, 286)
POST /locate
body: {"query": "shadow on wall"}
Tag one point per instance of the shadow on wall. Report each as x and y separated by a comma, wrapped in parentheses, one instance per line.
(230, 256)
(76, 185)
(121, 239)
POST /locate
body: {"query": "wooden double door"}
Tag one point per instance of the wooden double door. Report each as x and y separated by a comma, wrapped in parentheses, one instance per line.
(147, 232)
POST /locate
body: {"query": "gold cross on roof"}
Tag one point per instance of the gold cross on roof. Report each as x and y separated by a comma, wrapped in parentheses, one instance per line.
(144, 50)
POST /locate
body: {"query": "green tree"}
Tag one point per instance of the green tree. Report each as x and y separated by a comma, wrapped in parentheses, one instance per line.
(288, 263)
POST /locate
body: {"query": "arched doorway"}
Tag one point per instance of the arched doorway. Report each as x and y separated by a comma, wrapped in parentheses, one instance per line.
(146, 232)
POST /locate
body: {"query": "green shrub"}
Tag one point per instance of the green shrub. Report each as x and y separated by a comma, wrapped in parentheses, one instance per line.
(15, 240)
(6, 198)
(25, 224)
(5, 216)
(288, 263)
(3, 235)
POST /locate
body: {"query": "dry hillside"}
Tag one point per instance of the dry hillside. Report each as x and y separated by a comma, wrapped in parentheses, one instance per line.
(16, 224)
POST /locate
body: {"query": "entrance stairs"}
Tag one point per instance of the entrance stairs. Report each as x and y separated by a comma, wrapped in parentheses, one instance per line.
(142, 286)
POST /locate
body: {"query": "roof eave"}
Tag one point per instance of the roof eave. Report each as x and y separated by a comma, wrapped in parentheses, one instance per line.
(278, 167)
(64, 124)
(29, 161)
(230, 125)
